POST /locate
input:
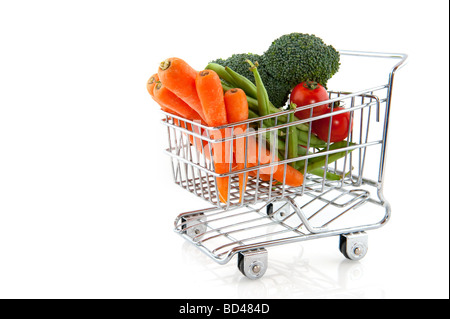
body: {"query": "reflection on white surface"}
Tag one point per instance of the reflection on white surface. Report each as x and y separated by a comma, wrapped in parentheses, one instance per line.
(288, 276)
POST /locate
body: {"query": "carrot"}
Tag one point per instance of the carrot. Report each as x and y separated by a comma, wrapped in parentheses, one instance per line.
(263, 177)
(210, 93)
(293, 176)
(165, 97)
(179, 77)
(237, 110)
(151, 83)
(165, 109)
(170, 103)
(202, 145)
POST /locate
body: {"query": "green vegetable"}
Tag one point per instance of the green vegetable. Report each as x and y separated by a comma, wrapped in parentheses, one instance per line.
(221, 72)
(314, 141)
(278, 91)
(263, 97)
(302, 136)
(320, 161)
(318, 171)
(292, 139)
(301, 152)
(237, 80)
(329, 176)
(297, 57)
(238, 64)
(242, 82)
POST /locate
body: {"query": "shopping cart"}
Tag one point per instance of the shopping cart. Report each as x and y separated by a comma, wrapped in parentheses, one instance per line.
(268, 212)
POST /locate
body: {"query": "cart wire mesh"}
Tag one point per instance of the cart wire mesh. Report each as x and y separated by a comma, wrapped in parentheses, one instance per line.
(194, 171)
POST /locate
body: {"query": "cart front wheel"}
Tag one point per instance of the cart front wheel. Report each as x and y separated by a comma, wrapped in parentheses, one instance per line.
(253, 263)
(354, 246)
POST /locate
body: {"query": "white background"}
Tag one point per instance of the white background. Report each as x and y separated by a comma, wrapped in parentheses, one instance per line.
(87, 202)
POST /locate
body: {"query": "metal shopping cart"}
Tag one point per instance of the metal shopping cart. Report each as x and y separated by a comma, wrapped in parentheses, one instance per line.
(267, 212)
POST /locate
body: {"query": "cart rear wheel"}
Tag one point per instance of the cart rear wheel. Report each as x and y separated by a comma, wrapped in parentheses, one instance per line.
(253, 263)
(354, 246)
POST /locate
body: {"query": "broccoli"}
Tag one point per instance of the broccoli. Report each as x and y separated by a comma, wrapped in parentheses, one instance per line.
(278, 91)
(290, 59)
(297, 57)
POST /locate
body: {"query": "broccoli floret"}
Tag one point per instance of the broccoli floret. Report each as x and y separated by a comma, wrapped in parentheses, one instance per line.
(278, 91)
(297, 57)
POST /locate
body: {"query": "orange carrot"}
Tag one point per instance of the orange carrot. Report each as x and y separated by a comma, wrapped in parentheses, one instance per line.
(210, 93)
(165, 109)
(202, 145)
(151, 83)
(179, 77)
(170, 103)
(293, 176)
(237, 110)
(236, 105)
(263, 177)
(165, 97)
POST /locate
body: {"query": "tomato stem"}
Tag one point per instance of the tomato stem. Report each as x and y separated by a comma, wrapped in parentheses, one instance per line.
(311, 85)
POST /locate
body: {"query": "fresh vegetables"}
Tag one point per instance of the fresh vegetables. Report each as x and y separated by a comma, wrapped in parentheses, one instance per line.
(251, 86)
(307, 93)
(179, 77)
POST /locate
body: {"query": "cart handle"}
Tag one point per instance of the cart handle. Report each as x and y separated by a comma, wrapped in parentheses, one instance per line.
(403, 60)
(402, 56)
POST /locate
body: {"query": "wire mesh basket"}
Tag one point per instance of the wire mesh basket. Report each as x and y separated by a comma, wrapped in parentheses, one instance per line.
(261, 208)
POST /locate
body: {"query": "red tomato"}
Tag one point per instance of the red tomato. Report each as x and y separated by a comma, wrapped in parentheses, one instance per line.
(307, 93)
(339, 126)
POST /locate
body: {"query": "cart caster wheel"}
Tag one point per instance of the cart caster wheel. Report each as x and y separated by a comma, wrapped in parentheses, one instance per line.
(253, 263)
(354, 246)
(194, 226)
(278, 210)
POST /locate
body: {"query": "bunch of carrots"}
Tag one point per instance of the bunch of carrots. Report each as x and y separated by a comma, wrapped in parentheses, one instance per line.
(199, 96)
